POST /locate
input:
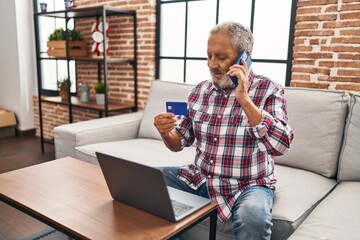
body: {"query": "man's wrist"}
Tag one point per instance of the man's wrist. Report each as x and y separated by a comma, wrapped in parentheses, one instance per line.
(165, 135)
(168, 136)
(244, 101)
(172, 141)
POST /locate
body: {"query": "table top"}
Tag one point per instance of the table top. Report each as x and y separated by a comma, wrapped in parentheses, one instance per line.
(72, 195)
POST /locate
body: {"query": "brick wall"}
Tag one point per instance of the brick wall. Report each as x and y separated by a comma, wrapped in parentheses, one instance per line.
(121, 44)
(326, 53)
(327, 45)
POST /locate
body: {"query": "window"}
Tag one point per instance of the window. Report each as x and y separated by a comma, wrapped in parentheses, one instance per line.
(183, 27)
(53, 70)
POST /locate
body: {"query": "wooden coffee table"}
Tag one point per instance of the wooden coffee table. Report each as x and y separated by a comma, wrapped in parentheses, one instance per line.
(71, 196)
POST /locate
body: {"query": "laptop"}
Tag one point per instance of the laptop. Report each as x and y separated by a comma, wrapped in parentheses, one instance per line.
(144, 188)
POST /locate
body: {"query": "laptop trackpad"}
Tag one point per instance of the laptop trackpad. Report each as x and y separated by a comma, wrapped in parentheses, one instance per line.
(185, 203)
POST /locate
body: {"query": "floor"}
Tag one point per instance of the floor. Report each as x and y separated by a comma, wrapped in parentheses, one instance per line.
(19, 152)
(15, 153)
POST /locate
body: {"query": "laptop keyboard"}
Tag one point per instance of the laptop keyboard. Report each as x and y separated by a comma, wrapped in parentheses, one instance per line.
(180, 208)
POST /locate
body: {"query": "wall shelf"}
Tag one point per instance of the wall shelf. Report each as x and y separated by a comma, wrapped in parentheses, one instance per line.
(75, 102)
(99, 12)
(86, 12)
(44, 56)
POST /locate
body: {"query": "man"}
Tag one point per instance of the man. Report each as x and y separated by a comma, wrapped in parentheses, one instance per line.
(236, 130)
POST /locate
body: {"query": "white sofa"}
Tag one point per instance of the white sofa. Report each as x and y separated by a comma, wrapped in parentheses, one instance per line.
(307, 174)
(337, 217)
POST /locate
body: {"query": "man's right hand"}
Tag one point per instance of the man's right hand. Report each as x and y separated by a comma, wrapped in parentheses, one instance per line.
(164, 123)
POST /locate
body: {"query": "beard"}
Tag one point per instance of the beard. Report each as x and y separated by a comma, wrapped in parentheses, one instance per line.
(224, 82)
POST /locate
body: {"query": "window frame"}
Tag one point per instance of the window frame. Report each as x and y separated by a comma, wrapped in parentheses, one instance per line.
(185, 58)
(42, 58)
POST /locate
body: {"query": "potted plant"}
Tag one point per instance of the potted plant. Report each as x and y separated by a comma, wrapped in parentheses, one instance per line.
(100, 92)
(57, 43)
(63, 86)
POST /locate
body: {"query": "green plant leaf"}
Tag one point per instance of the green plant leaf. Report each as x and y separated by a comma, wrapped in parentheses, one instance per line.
(59, 34)
(99, 87)
(63, 83)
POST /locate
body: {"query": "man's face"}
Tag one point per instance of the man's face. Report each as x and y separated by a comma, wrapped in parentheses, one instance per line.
(221, 55)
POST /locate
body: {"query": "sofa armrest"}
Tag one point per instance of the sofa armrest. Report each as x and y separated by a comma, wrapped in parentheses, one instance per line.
(107, 129)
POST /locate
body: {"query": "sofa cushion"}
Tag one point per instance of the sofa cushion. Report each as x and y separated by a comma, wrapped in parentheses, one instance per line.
(160, 93)
(317, 118)
(296, 196)
(349, 163)
(336, 217)
(144, 151)
(120, 127)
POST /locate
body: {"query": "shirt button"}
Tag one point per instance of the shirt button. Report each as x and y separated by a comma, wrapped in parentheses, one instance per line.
(225, 96)
(219, 116)
(209, 176)
(211, 162)
(215, 139)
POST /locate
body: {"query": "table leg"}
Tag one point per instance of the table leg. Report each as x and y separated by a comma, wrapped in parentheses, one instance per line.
(213, 222)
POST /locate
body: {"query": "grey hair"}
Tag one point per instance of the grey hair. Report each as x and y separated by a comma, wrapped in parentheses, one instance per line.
(241, 37)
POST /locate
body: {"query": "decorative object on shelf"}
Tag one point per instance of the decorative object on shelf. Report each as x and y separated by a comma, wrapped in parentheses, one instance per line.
(57, 44)
(68, 4)
(43, 6)
(84, 93)
(97, 30)
(63, 86)
(100, 93)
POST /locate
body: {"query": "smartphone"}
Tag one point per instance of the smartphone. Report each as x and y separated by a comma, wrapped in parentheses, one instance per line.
(242, 55)
(177, 108)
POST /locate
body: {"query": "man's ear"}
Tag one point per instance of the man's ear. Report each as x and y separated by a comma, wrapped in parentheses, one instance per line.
(248, 53)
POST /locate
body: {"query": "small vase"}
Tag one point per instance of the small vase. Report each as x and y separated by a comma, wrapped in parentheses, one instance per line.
(84, 93)
(68, 4)
(100, 98)
(64, 94)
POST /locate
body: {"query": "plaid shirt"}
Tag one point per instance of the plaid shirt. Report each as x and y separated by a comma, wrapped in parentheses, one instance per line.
(230, 154)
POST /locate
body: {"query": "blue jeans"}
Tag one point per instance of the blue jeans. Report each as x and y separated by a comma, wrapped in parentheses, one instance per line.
(251, 211)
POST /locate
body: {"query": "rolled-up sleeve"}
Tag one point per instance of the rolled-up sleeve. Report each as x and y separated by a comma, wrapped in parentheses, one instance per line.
(273, 134)
(185, 131)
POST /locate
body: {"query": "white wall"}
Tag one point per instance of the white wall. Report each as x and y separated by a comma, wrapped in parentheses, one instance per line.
(17, 60)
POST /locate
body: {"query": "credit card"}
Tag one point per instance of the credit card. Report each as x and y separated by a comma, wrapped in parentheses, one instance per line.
(177, 108)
